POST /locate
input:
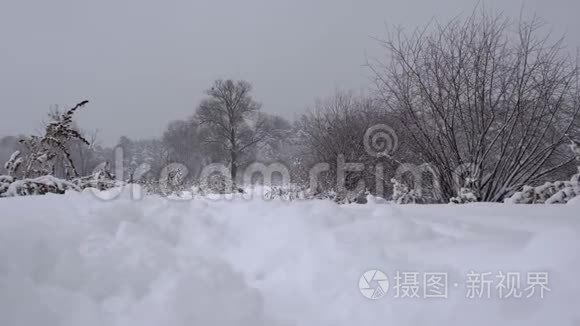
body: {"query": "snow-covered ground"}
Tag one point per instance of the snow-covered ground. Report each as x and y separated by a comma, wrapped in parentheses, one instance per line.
(76, 260)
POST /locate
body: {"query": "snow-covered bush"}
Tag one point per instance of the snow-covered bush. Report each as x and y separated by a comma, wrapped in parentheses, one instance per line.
(570, 191)
(295, 192)
(465, 196)
(13, 163)
(287, 193)
(537, 195)
(33, 172)
(11, 186)
(340, 197)
(466, 193)
(350, 197)
(402, 194)
(217, 184)
(5, 182)
(559, 192)
(38, 186)
(44, 151)
(102, 179)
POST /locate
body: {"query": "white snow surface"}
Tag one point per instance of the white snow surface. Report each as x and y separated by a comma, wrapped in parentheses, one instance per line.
(71, 260)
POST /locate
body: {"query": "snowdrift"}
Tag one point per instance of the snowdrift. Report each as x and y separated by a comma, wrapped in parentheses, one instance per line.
(76, 260)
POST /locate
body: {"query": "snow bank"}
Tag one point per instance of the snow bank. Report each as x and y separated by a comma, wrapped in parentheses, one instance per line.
(76, 260)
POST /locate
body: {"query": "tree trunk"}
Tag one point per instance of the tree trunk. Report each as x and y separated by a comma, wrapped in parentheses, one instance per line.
(234, 166)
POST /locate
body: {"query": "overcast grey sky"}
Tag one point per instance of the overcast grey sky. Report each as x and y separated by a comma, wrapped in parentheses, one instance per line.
(143, 63)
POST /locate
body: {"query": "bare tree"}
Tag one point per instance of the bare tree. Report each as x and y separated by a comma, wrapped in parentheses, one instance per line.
(337, 129)
(484, 100)
(232, 120)
(182, 141)
(143, 159)
(271, 147)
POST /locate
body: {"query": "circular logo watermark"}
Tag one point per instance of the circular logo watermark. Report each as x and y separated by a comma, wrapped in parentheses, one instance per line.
(381, 140)
(373, 284)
